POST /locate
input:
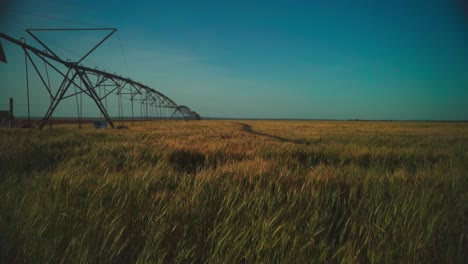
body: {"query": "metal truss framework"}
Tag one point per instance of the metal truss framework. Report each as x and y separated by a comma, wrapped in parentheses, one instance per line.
(96, 84)
(184, 111)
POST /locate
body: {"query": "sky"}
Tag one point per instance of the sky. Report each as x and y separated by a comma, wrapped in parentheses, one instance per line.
(335, 59)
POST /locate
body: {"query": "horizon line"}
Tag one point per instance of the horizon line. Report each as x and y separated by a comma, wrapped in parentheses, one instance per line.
(261, 118)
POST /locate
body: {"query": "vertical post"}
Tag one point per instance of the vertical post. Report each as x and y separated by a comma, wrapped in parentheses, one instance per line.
(81, 110)
(133, 118)
(11, 116)
(27, 88)
(81, 107)
(146, 104)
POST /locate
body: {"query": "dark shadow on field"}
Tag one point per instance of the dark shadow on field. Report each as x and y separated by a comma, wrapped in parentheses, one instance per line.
(187, 161)
(248, 128)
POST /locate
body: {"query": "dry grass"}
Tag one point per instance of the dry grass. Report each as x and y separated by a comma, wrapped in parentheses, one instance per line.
(236, 191)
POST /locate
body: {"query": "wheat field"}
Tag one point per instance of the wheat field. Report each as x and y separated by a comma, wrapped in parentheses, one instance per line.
(236, 192)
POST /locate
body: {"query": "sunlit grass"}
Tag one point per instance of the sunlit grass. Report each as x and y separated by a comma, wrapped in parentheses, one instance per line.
(235, 191)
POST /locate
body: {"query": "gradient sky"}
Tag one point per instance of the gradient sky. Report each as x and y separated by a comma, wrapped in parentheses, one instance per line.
(365, 59)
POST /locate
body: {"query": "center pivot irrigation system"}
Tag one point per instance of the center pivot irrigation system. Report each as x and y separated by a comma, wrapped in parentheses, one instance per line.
(96, 84)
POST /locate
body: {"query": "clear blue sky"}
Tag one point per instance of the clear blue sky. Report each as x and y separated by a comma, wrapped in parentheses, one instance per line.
(265, 59)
